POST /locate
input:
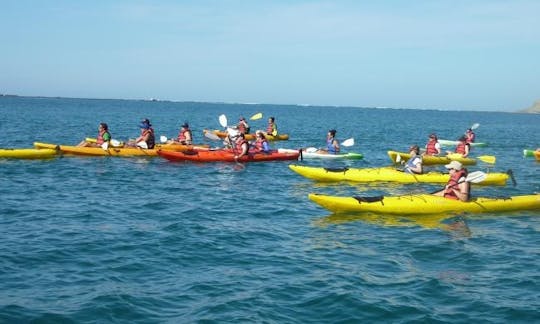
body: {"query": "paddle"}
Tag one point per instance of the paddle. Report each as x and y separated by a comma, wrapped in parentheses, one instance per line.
(223, 120)
(256, 116)
(475, 126)
(484, 158)
(348, 142)
(210, 135)
(163, 139)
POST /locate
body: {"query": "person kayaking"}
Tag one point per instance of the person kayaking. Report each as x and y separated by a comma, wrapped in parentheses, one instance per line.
(147, 138)
(457, 187)
(271, 129)
(185, 136)
(414, 163)
(103, 136)
(433, 147)
(470, 135)
(332, 144)
(243, 126)
(261, 144)
(241, 147)
(462, 147)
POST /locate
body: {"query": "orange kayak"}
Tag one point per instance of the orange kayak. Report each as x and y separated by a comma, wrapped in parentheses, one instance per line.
(226, 155)
(116, 151)
(249, 137)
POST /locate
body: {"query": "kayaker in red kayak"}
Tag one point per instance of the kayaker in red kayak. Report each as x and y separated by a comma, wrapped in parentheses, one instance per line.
(457, 187)
(433, 147)
(103, 136)
(261, 144)
(241, 147)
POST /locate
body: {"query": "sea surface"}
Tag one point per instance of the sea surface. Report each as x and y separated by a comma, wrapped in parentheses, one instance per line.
(144, 240)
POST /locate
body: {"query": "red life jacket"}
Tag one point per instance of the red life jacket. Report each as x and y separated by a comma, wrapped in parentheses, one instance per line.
(430, 147)
(259, 143)
(99, 139)
(270, 128)
(239, 146)
(182, 138)
(460, 148)
(453, 182)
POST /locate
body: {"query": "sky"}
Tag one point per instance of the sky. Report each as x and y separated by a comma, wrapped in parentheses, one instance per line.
(447, 55)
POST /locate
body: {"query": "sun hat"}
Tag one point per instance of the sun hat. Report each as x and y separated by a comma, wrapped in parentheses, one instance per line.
(145, 123)
(456, 165)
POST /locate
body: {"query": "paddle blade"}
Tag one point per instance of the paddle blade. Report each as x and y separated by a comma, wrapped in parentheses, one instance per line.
(398, 158)
(116, 143)
(348, 142)
(163, 138)
(488, 159)
(142, 145)
(475, 126)
(256, 116)
(476, 177)
(223, 120)
(311, 150)
(211, 136)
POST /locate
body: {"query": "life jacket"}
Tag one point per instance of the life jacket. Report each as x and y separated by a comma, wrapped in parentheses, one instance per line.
(239, 145)
(259, 144)
(182, 138)
(271, 129)
(471, 137)
(460, 148)
(410, 163)
(151, 142)
(430, 147)
(330, 145)
(453, 182)
(100, 137)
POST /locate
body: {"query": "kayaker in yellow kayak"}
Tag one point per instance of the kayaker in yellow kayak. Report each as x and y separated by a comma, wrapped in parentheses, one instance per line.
(457, 187)
(433, 147)
(463, 147)
(470, 135)
(103, 137)
(414, 163)
(243, 126)
(147, 139)
(271, 129)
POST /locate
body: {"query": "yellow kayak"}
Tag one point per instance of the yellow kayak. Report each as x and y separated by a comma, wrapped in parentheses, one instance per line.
(388, 174)
(249, 137)
(396, 157)
(425, 204)
(28, 153)
(116, 151)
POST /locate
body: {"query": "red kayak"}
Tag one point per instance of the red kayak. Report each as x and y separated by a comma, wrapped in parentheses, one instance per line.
(227, 155)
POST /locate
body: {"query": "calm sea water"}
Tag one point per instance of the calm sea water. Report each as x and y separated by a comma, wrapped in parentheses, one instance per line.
(147, 240)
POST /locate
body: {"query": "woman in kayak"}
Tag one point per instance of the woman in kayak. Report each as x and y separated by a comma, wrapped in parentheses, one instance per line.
(457, 187)
(147, 138)
(433, 147)
(470, 135)
(185, 136)
(103, 137)
(414, 163)
(332, 144)
(261, 144)
(462, 147)
(241, 147)
(271, 129)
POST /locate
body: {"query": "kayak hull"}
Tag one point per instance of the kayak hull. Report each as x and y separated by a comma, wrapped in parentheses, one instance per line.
(316, 155)
(454, 143)
(28, 153)
(249, 137)
(430, 159)
(226, 155)
(388, 174)
(114, 151)
(424, 204)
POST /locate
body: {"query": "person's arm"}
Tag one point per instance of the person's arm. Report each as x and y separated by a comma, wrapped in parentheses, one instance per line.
(438, 148)
(189, 140)
(336, 145)
(461, 190)
(265, 147)
(466, 150)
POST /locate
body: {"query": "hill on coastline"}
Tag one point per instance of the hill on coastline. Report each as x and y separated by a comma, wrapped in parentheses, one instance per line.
(534, 109)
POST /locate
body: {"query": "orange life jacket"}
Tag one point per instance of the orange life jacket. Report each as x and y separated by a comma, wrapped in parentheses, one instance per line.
(454, 182)
(430, 147)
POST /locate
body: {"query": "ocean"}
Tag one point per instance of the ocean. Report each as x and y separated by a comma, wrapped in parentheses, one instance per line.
(127, 240)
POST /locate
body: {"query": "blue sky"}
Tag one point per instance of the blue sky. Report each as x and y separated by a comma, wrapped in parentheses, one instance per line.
(451, 55)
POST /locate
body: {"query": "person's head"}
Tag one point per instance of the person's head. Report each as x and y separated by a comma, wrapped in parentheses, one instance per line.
(271, 119)
(414, 149)
(433, 136)
(332, 132)
(260, 134)
(185, 125)
(469, 130)
(145, 124)
(454, 165)
(242, 118)
(103, 126)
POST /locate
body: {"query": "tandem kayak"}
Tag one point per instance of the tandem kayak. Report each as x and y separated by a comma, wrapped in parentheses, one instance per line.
(226, 155)
(454, 143)
(249, 137)
(115, 151)
(396, 157)
(425, 204)
(313, 153)
(27, 153)
(388, 174)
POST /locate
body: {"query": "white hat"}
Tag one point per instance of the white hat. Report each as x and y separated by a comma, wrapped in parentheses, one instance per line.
(456, 165)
